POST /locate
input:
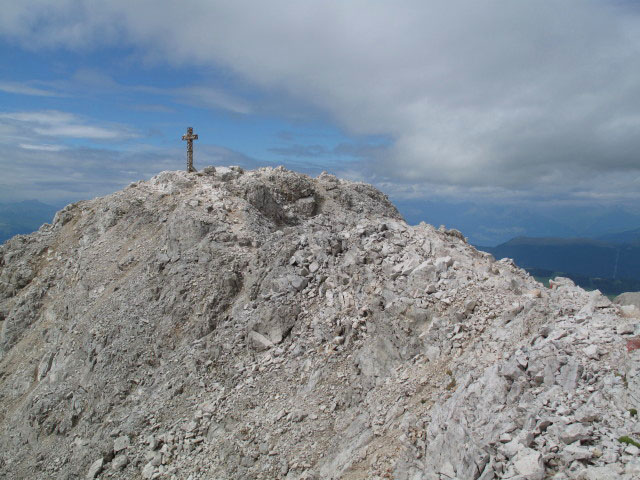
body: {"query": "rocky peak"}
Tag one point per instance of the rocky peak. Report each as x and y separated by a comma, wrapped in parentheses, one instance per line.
(265, 324)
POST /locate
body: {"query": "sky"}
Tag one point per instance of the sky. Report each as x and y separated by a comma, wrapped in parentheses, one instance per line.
(464, 108)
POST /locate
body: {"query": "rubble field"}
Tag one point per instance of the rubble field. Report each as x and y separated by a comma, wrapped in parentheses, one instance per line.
(231, 324)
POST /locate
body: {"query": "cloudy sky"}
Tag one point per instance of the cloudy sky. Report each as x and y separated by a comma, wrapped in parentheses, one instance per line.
(521, 104)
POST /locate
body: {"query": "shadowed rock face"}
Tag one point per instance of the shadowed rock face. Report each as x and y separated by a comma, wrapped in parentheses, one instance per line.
(265, 324)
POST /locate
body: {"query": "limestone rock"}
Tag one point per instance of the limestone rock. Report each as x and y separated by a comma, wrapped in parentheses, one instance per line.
(95, 468)
(528, 463)
(119, 462)
(628, 298)
(572, 433)
(202, 324)
(121, 443)
(148, 471)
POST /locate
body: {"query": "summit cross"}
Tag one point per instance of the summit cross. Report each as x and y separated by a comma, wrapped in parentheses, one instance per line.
(190, 137)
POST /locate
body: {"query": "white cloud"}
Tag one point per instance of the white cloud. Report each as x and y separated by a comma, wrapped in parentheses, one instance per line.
(501, 94)
(42, 147)
(53, 123)
(21, 89)
(79, 131)
(46, 117)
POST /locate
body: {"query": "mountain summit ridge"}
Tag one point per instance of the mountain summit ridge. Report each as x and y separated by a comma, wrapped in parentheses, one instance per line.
(264, 324)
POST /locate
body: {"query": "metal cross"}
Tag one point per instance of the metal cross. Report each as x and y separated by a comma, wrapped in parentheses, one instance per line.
(190, 137)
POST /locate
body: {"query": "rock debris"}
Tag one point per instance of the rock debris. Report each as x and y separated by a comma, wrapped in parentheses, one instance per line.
(263, 324)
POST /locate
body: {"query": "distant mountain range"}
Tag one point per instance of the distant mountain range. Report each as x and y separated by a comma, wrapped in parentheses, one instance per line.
(23, 217)
(630, 237)
(612, 260)
(493, 224)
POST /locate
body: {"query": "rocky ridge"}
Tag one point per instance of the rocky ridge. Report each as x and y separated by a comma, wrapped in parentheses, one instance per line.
(267, 325)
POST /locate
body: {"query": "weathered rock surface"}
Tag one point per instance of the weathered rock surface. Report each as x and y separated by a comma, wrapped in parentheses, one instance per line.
(628, 298)
(263, 324)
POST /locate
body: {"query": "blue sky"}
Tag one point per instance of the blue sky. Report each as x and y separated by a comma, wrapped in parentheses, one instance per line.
(455, 106)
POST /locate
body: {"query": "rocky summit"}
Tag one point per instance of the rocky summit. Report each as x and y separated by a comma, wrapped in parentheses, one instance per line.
(268, 325)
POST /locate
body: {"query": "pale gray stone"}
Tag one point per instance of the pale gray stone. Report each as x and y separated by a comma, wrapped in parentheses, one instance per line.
(626, 329)
(569, 375)
(121, 443)
(592, 352)
(574, 452)
(95, 468)
(632, 450)
(298, 282)
(156, 459)
(148, 470)
(587, 414)
(119, 462)
(628, 298)
(259, 341)
(528, 463)
(443, 263)
(572, 433)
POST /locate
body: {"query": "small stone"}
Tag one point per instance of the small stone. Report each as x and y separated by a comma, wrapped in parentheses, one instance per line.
(510, 449)
(119, 462)
(592, 352)
(95, 468)
(153, 442)
(298, 282)
(587, 414)
(574, 452)
(574, 432)
(544, 424)
(610, 457)
(511, 370)
(443, 263)
(528, 463)
(522, 361)
(632, 450)
(156, 459)
(148, 471)
(470, 305)
(259, 341)
(121, 443)
(314, 267)
(625, 329)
